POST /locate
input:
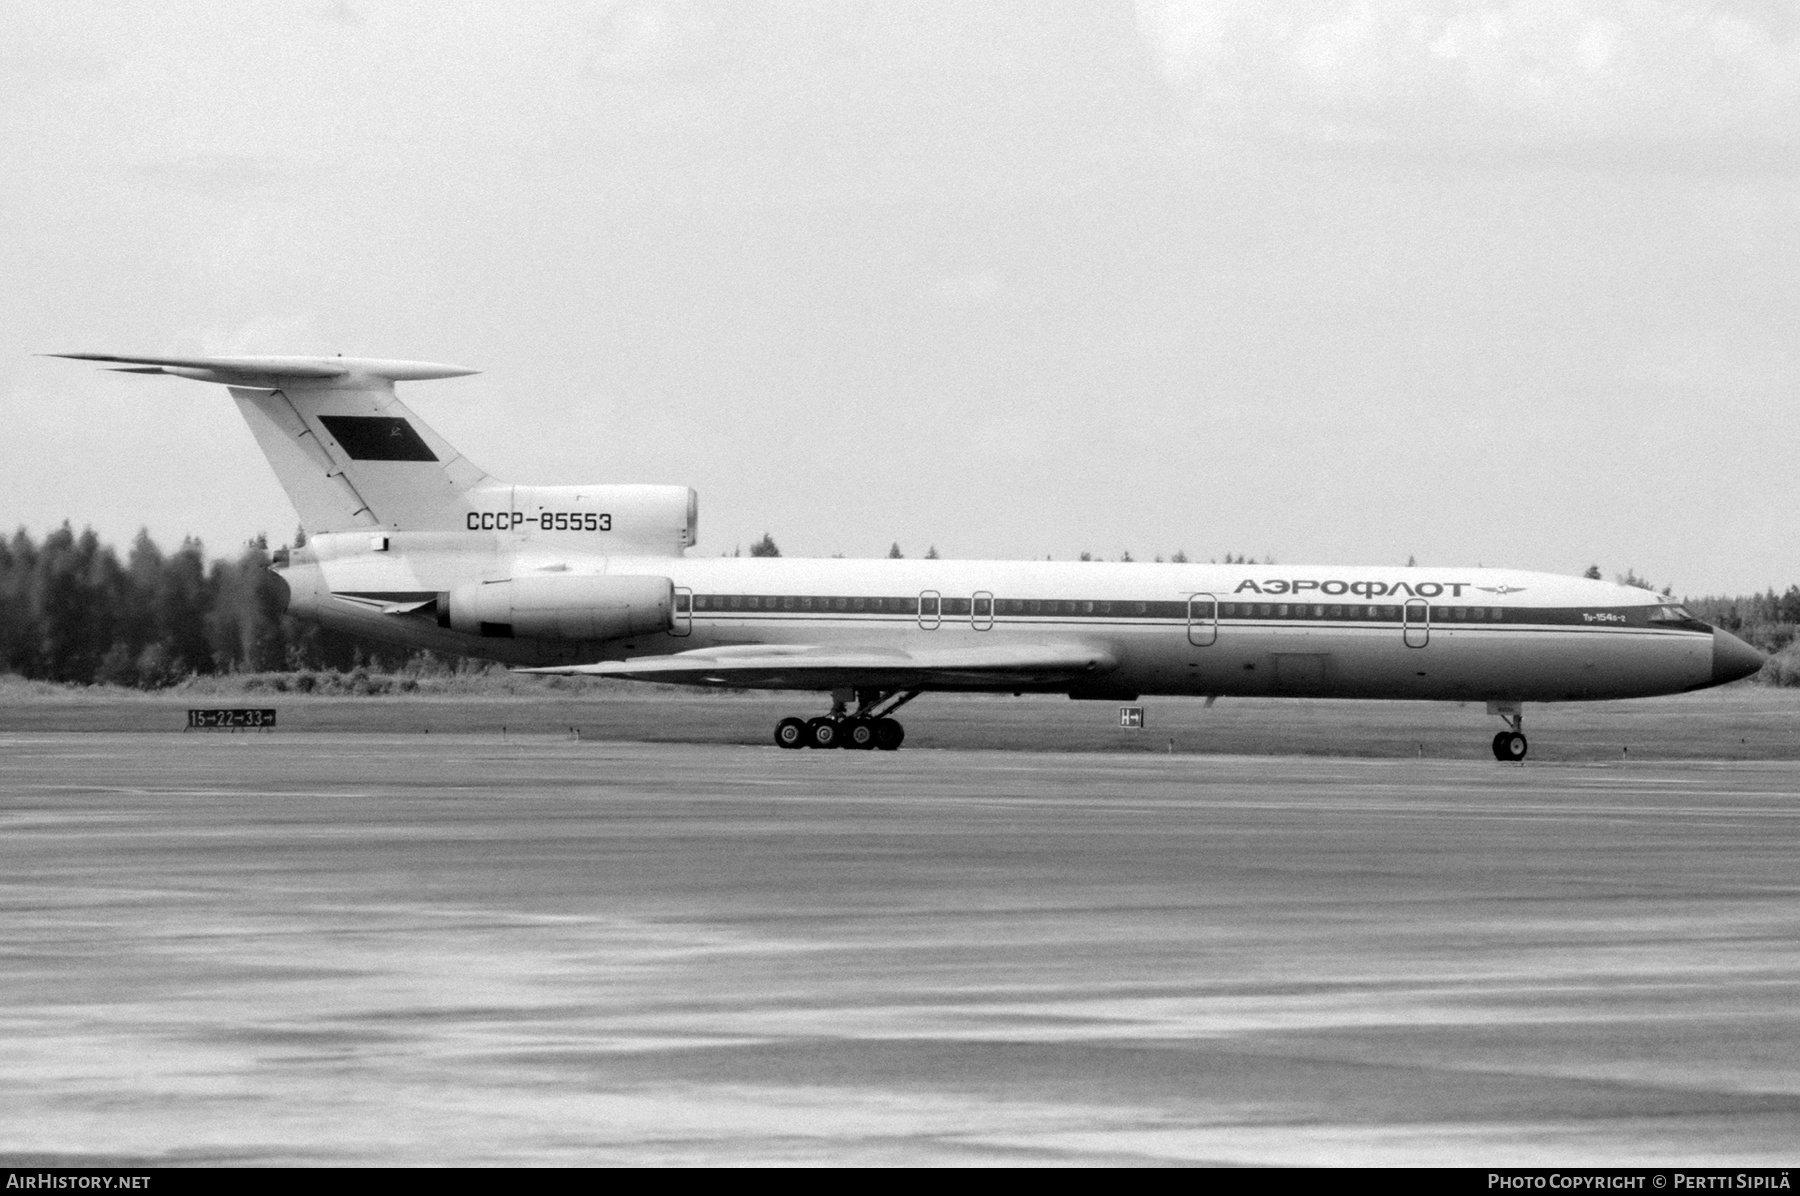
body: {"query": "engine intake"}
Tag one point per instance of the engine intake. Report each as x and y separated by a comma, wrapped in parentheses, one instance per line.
(580, 607)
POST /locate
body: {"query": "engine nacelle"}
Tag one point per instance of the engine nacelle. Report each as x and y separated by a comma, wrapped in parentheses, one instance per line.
(561, 607)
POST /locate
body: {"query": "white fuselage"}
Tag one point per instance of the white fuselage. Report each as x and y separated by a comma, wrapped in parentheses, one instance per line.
(1278, 630)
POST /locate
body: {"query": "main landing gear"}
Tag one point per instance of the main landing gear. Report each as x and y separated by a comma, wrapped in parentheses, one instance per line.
(869, 727)
(1509, 746)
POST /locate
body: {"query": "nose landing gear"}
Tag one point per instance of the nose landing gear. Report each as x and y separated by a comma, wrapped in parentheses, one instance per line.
(1509, 746)
(869, 728)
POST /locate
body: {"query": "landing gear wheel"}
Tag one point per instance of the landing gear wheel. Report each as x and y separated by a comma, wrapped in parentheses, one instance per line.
(823, 733)
(1499, 752)
(791, 733)
(888, 734)
(859, 733)
(1509, 746)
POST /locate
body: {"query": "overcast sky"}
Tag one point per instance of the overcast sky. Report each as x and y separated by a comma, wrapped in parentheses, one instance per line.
(1502, 283)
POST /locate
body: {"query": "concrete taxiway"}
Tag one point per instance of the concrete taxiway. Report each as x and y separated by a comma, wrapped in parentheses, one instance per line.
(340, 948)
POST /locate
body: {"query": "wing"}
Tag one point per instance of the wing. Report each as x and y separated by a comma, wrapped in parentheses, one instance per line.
(793, 666)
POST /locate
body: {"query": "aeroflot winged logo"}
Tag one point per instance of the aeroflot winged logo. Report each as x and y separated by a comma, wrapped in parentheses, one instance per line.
(1502, 590)
(1362, 589)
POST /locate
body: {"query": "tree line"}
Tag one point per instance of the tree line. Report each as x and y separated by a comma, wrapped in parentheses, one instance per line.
(1769, 621)
(72, 610)
(767, 547)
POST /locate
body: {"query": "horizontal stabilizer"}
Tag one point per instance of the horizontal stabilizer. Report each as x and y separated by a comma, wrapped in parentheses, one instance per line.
(789, 666)
(277, 371)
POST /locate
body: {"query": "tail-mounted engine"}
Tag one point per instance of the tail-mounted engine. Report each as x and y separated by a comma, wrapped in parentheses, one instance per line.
(561, 607)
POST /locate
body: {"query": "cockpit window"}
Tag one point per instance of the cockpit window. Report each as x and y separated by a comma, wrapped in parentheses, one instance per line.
(1670, 612)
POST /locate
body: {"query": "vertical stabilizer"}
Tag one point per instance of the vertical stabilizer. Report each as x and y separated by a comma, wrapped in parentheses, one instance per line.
(348, 452)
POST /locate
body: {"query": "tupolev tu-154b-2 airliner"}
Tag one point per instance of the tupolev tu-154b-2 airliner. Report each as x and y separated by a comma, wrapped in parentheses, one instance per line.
(409, 543)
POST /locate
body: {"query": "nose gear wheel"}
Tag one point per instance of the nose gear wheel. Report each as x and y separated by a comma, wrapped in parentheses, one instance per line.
(1509, 746)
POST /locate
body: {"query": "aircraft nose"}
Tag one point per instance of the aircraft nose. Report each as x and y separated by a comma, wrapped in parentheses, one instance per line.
(1733, 658)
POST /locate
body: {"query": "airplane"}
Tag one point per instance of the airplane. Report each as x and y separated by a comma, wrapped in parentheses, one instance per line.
(409, 543)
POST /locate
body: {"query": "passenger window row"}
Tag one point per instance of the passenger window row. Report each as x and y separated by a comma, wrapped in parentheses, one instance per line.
(1351, 611)
(813, 603)
(1086, 608)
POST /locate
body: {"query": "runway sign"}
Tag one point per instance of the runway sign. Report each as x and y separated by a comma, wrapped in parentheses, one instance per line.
(1131, 717)
(231, 718)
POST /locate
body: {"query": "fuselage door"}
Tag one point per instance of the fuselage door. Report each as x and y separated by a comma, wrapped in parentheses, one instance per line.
(981, 610)
(931, 609)
(1202, 620)
(684, 612)
(1417, 625)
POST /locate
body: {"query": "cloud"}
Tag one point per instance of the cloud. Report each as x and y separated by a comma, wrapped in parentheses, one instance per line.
(980, 289)
(1526, 71)
(642, 38)
(215, 175)
(295, 333)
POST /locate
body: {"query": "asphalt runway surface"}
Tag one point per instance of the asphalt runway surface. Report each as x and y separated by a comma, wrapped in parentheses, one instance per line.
(1734, 723)
(343, 948)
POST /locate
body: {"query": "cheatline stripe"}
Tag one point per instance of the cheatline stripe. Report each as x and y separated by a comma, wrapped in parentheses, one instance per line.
(727, 617)
(1331, 614)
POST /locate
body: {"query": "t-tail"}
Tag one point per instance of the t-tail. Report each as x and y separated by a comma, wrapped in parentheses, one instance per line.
(353, 457)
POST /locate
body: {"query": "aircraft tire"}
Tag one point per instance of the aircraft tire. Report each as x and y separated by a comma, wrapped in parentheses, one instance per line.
(888, 734)
(1511, 746)
(792, 733)
(859, 733)
(1499, 752)
(824, 733)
